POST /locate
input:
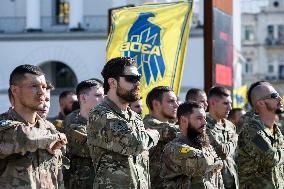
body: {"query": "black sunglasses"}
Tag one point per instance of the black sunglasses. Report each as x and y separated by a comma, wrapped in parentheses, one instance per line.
(270, 96)
(131, 78)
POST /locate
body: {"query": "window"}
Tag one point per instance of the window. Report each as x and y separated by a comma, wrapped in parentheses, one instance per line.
(248, 66)
(59, 74)
(249, 35)
(270, 31)
(281, 33)
(270, 68)
(61, 11)
(281, 71)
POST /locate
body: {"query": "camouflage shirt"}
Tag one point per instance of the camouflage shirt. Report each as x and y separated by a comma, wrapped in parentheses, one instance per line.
(81, 169)
(119, 147)
(24, 160)
(224, 140)
(260, 155)
(185, 166)
(168, 132)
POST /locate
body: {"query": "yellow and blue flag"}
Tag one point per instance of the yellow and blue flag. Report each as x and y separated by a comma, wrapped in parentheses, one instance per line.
(240, 97)
(155, 35)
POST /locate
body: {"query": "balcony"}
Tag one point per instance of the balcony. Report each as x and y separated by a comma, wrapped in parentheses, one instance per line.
(95, 24)
(270, 42)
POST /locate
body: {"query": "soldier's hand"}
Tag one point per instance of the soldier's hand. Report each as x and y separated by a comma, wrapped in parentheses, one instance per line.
(62, 138)
(216, 167)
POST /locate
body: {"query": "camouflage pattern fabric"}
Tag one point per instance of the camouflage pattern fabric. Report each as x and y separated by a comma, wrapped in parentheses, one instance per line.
(119, 147)
(184, 166)
(260, 155)
(168, 132)
(224, 140)
(24, 159)
(81, 172)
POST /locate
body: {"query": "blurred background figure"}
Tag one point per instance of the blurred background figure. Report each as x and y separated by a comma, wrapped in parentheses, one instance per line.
(66, 100)
(46, 105)
(137, 106)
(236, 117)
(197, 95)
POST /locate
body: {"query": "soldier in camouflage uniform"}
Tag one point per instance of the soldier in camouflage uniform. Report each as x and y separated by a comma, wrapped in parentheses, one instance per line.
(222, 133)
(162, 105)
(189, 161)
(197, 95)
(261, 144)
(30, 155)
(116, 135)
(89, 93)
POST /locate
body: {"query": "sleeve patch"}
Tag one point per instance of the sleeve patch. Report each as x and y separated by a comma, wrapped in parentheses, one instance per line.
(184, 150)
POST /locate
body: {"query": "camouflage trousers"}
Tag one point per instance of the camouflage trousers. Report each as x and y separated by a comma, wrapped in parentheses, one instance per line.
(81, 173)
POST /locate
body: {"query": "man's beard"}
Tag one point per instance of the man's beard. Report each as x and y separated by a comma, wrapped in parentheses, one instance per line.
(128, 96)
(67, 111)
(198, 139)
(276, 111)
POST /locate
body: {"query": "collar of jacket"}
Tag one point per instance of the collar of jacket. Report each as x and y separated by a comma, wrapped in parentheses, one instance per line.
(128, 114)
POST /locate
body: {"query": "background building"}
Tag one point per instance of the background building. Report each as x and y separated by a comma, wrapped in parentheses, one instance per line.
(263, 43)
(67, 39)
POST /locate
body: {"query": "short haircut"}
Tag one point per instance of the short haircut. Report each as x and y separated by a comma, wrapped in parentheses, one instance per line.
(64, 94)
(252, 86)
(115, 68)
(186, 108)
(10, 95)
(192, 93)
(98, 80)
(233, 112)
(156, 94)
(49, 86)
(86, 85)
(218, 91)
(18, 74)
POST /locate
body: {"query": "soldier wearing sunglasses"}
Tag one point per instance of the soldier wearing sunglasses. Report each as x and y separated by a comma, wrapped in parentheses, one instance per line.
(116, 136)
(261, 144)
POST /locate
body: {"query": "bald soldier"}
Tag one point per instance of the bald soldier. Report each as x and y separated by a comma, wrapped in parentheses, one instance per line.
(261, 144)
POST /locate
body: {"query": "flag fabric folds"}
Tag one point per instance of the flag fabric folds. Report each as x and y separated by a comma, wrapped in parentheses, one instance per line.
(240, 97)
(155, 35)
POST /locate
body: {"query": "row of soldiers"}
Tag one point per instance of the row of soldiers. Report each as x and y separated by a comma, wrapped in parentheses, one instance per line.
(177, 145)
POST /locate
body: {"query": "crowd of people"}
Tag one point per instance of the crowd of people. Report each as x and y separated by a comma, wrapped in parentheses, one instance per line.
(102, 139)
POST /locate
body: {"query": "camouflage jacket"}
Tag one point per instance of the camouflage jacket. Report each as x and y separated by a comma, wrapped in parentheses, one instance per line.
(185, 167)
(24, 160)
(75, 127)
(168, 132)
(81, 169)
(224, 140)
(260, 155)
(119, 147)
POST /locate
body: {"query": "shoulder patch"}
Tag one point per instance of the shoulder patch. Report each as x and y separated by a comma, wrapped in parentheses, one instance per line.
(6, 124)
(184, 150)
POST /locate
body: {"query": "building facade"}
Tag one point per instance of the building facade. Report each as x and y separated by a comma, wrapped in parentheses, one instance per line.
(67, 39)
(263, 44)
